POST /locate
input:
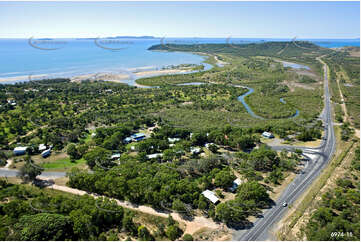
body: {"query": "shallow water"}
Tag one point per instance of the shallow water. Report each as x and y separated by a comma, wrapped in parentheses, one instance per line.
(295, 65)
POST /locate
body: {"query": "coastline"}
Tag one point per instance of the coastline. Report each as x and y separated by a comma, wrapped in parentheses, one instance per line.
(121, 76)
(128, 76)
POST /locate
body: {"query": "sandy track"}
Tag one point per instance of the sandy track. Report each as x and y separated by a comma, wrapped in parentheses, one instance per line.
(191, 226)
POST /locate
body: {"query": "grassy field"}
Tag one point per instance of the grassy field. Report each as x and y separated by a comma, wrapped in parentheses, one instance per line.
(63, 164)
(58, 162)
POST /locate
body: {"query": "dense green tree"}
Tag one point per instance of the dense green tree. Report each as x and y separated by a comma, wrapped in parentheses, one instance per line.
(187, 237)
(72, 152)
(252, 190)
(224, 178)
(43, 226)
(263, 159)
(128, 224)
(213, 148)
(144, 234)
(97, 156)
(229, 213)
(173, 232)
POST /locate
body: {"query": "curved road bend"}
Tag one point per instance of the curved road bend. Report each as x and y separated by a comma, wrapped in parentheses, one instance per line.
(320, 157)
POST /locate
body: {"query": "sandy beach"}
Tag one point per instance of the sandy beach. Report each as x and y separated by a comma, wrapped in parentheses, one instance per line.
(121, 76)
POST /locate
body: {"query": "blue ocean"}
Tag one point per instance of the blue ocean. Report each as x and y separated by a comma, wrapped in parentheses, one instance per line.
(70, 57)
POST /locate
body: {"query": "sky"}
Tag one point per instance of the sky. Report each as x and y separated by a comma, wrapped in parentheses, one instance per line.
(180, 19)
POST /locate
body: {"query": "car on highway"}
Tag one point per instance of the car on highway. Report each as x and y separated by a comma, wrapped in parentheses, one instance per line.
(284, 204)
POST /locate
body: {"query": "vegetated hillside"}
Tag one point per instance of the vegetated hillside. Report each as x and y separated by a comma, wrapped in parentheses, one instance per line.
(288, 49)
(302, 51)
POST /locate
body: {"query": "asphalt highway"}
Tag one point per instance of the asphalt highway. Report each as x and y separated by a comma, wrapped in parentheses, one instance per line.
(319, 158)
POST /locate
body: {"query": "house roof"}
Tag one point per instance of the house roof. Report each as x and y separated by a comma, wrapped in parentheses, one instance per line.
(208, 144)
(172, 140)
(115, 156)
(46, 151)
(195, 150)
(137, 135)
(20, 148)
(152, 156)
(210, 195)
(237, 181)
(265, 133)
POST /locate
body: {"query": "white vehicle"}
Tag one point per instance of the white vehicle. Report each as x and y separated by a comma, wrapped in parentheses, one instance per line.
(284, 204)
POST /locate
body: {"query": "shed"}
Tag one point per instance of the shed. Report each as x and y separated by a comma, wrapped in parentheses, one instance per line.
(208, 144)
(21, 150)
(235, 184)
(127, 140)
(137, 137)
(195, 150)
(42, 147)
(153, 156)
(210, 196)
(115, 156)
(267, 135)
(173, 140)
(46, 153)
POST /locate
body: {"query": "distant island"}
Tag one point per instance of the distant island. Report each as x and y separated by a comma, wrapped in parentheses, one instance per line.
(122, 37)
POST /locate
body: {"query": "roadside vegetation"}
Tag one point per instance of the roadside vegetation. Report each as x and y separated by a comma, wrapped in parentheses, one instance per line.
(30, 213)
(338, 214)
(345, 77)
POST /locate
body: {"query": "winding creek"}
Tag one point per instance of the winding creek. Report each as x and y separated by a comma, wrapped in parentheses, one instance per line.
(132, 82)
(239, 98)
(248, 108)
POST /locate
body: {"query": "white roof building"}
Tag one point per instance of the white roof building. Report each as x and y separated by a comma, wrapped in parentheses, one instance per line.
(115, 156)
(267, 134)
(42, 147)
(20, 148)
(195, 150)
(46, 153)
(237, 181)
(210, 196)
(235, 184)
(156, 155)
(173, 140)
(208, 144)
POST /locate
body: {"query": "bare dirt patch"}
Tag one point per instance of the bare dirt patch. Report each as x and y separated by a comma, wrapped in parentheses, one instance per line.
(293, 85)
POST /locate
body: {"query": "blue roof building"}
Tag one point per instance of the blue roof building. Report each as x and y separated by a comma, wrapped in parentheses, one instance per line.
(138, 136)
(46, 153)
